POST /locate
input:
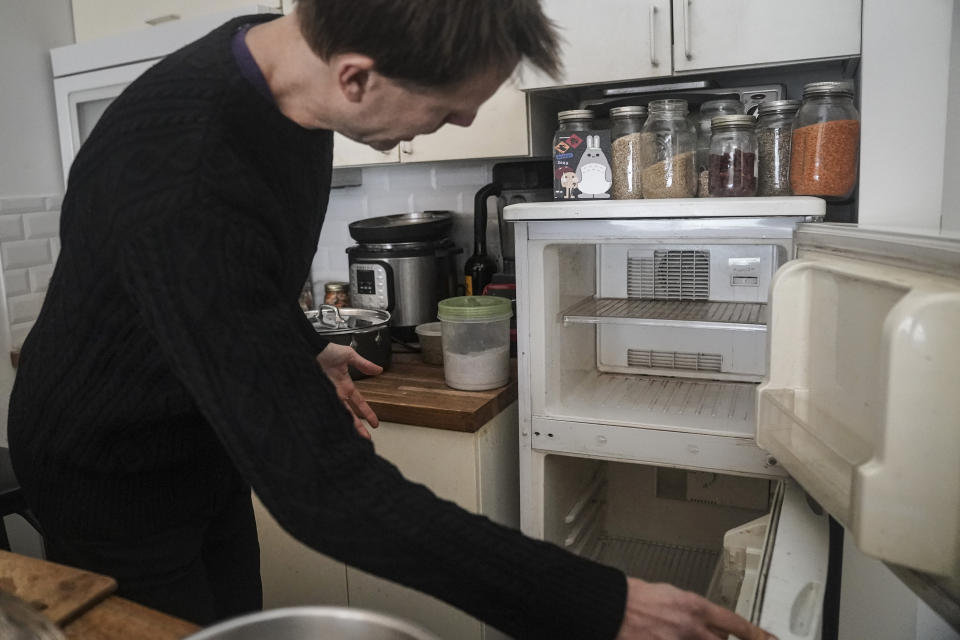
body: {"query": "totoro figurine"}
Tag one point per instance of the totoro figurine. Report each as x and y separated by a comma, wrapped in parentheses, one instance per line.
(593, 172)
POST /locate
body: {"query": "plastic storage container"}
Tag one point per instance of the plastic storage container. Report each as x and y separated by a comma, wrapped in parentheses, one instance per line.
(774, 133)
(431, 345)
(733, 156)
(826, 142)
(625, 126)
(708, 111)
(476, 341)
(668, 143)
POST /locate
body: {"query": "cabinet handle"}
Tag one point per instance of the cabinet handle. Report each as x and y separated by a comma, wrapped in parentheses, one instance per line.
(686, 29)
(170, 17)
(406, 148)
(653, 37)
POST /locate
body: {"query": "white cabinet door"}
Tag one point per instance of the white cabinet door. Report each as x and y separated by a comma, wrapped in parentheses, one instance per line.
(348, 153)
(97, 18)
(710, 34)
(499, 130)
(608, 41)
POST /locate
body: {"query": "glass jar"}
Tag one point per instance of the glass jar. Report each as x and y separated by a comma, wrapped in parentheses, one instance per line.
(667, 145)
(774, 131)
(565, 176)
(733, 156)
(708, 111)
(625, 126)
(336, 294)
(826, 142)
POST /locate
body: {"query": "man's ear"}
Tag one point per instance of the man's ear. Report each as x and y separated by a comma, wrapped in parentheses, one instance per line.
(353, 74)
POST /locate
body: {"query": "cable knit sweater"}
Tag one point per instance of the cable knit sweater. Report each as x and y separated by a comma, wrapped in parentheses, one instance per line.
(170, 353)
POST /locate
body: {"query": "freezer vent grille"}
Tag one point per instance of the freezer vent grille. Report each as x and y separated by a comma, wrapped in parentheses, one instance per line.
(649, 359)
(677, 274)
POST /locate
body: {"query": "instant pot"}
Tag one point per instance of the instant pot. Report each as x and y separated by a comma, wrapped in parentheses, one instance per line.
(404, 264)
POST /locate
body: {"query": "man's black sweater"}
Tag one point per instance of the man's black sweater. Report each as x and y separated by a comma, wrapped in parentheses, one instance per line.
(170, 352)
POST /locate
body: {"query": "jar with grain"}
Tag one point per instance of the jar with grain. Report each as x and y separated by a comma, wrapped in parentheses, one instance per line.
(625, 126)
(826, 142)
(701, 121)
(667, 145)
(733, 156)
(774, 132)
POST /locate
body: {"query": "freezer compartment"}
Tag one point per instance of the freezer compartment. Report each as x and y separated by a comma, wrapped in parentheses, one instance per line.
(861, 404)
(705, 532)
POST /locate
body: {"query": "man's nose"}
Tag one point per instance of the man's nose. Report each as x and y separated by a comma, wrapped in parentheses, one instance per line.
(462, 119)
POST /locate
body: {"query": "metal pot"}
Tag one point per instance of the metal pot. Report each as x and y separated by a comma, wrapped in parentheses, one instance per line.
(314, 623)
(367, 331)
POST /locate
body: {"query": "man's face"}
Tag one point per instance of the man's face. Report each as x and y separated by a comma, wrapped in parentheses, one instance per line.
(392, 112)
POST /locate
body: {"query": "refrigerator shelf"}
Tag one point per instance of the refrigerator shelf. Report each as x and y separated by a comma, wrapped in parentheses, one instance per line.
(748, 316)
(676, 404)
(688, 568)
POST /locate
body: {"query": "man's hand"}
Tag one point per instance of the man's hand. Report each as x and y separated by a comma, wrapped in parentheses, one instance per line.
(335, 360)
(664, 612)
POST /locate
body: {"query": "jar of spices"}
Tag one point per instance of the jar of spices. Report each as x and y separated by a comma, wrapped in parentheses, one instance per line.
(625, 126)
(708, 111)
(826, 142)
(774, 131)
(667, 145)
(733, 156)
(336, 294)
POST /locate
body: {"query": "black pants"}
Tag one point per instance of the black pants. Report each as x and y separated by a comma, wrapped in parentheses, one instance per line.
(202, 572)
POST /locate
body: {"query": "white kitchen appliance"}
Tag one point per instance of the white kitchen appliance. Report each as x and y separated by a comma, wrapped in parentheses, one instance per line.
(89, 75)
(644, 328)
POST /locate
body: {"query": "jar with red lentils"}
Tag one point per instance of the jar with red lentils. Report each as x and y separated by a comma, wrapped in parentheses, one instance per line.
(826, 142)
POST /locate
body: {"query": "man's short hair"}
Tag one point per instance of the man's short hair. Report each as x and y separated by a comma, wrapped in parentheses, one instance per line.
(432, 42)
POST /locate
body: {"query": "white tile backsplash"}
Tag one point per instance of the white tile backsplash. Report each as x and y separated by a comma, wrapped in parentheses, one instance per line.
(401, 189)
(29, 246)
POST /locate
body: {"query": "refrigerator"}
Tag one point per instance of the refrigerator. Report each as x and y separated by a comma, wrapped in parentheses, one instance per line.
(721, 393)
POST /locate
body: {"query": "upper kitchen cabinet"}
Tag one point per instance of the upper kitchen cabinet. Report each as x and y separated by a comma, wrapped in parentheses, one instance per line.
(500, 130)
(97, 18)
(349, 153)
(709, 34)
(608, 41)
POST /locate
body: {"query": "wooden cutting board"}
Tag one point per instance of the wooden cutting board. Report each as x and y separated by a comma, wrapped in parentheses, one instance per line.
(60, 593)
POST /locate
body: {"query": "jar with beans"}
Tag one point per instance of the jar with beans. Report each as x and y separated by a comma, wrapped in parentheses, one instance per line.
(708, 111)
(774, 132)
(667, 145)
(733, 156)
(826, 142)
(625, 126)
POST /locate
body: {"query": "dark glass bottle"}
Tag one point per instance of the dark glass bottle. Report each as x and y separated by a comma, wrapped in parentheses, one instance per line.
(479, 268)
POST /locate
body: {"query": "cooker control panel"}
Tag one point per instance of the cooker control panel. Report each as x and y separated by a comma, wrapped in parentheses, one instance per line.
(369, 286)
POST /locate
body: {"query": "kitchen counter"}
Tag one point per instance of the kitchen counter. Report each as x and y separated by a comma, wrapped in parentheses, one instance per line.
(414, 393)
(81, 604)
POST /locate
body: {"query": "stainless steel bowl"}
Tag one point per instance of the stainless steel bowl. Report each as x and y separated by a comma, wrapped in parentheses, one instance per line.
(314, 623)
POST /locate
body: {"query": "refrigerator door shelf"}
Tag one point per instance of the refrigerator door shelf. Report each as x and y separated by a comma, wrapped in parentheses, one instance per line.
(861, 406)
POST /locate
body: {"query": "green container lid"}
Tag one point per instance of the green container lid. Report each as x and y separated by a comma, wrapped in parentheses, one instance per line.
(474, 308)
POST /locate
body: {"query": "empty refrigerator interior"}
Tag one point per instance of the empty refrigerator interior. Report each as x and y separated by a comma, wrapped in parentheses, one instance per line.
(704, 532)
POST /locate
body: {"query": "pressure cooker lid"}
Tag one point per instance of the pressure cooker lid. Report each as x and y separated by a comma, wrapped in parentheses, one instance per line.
(333, 320)
(419, 226)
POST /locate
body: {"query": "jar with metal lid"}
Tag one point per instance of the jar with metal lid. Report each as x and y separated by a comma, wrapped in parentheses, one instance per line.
(625, 126)
(336, 294)
(565, 142)
(774, 132)
(733, 156)
(667, 145)
(708, 111)
(826, 142)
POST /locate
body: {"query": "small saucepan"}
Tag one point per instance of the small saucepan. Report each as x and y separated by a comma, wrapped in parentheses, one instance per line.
(365, 330)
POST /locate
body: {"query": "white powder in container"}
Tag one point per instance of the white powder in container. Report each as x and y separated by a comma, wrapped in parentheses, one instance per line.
(478, 370)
